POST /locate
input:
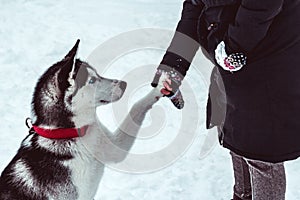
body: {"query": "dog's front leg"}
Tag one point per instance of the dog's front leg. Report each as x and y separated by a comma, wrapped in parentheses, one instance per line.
(124, 137)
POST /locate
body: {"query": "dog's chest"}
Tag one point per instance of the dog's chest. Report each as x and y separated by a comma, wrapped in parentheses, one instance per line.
(86, 169)
(86, 173)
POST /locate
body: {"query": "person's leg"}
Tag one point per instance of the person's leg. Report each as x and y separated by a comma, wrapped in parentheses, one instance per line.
(267, 179)
(242, 183)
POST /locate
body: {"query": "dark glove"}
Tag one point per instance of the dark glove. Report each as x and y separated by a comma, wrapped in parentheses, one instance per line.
(171, 84)
(173, 67)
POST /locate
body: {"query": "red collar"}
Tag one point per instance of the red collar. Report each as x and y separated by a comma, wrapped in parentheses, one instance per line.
(61, 133)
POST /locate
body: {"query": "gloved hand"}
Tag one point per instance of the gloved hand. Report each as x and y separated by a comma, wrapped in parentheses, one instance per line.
(171, 80)
(233, 62)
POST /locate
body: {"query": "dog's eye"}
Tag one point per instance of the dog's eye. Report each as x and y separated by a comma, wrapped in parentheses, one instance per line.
(92, 80)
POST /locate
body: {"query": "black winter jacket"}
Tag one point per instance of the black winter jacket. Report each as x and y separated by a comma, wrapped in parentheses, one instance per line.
(258, 109)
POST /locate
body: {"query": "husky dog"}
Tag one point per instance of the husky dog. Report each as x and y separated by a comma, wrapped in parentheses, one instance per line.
(53, 162)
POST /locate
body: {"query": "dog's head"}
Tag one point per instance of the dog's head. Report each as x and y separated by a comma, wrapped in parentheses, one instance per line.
(71, 90)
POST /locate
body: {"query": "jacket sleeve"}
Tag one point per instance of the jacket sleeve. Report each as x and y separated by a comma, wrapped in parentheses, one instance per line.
(252, 23)
(184, 44)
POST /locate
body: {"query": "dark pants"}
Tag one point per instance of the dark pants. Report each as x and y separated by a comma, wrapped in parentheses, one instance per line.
(258, 180)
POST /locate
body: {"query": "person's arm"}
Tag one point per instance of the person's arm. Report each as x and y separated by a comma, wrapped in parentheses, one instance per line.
(184, 44)
(181, 52)
(251, 25)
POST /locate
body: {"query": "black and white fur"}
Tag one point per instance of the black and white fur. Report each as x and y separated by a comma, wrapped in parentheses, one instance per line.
(66, 96)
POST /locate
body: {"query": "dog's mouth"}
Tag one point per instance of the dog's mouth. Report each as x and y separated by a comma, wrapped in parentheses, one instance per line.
(104, 101)
(113, 99)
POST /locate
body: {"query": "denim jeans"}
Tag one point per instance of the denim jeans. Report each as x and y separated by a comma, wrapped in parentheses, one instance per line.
(258, 180)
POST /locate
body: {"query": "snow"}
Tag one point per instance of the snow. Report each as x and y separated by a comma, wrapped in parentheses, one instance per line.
(35, 34)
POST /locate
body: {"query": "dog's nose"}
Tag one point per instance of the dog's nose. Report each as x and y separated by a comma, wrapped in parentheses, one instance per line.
(123, 85)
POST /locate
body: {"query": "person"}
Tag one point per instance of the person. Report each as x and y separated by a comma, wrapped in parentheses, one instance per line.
(254, 94)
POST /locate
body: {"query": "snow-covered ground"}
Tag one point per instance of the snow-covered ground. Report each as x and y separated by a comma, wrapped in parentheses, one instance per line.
(35, 34)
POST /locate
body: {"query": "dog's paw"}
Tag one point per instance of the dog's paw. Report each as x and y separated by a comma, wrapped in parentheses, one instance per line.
(163, 84)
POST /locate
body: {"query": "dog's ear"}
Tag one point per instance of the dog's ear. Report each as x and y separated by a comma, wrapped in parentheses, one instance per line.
(71, 59)
(72, 53)
(65, 76)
